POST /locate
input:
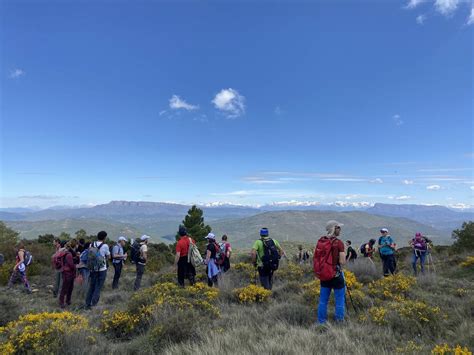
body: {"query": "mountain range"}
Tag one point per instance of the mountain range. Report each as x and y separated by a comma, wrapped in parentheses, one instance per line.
(161, 219)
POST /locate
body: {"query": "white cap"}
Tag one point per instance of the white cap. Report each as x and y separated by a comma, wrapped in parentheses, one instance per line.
(384, 230)
(332, 224)
(144, 237)
(122, 238)
(210, 236)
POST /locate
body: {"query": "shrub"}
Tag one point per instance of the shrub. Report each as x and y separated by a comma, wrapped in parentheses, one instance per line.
(416, 310)
(290, 272)
(123, 324)
(364, 270)
(445, 349)
(252, 294)
(410, 348)
(9, 309)
(245, 268)
(377, 315)
(312, 291)
(5, 272)
(351, 280)
(293, 313)
(40, 333)
(468, 262)
(392, 287)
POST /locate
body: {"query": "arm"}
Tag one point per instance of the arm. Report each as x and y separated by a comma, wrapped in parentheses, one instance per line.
(176, 258)
(342, 258)
(229, 251)
(208, 256)
(253, 254)
(21, 258)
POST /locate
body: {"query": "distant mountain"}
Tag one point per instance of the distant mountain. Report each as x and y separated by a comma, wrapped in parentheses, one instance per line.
(439, 217)
(309, 225)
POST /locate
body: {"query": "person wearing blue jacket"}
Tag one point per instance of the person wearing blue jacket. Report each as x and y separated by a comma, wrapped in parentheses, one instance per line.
(387, 252)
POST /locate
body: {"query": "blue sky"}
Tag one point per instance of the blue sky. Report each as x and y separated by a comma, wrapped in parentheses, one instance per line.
(243, 102)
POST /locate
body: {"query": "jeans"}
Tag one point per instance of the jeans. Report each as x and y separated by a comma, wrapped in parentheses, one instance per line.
(96, 282)
(17, 274)
(419, 255)
(389, 264)
(340, 297)
(185, 270)
(57, 282)
(138, 279)
(66, 289)
(118, 272)
(266, 277)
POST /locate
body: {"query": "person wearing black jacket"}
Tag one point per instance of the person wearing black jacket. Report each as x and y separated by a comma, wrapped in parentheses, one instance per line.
(351, 254)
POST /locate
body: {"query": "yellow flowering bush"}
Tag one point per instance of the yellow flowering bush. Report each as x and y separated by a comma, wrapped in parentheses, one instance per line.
(392, 287)
(247, 269)
(252, 294)
(291, 272)
(378, 314)
(445, 349)
(468, 262)
(40, 333)
(410, 348)
(144, 304)
(461, 292)
(416, 310)
(351, 280)
(312, 290)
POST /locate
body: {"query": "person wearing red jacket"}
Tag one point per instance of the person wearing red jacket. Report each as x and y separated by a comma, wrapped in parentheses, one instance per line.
(69, 274)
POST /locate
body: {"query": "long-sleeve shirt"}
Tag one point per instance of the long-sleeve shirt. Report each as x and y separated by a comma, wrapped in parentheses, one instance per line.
(69, 267)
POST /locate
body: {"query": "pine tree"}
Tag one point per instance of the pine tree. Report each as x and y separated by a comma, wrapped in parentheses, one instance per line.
(194, 223)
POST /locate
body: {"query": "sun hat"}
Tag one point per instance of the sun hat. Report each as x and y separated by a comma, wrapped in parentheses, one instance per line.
(121, 238)
(332, 224)
(144, 237)
(210, 236)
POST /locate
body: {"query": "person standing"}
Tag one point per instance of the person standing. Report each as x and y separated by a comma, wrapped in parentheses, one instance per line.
(69, 274)
(19, 270)
(97, 257)
(118, 258)
(182, 265)
(82, 268)
(351, 254)
(141, 262)
(227, 250)
(57, 272)
(387, 252)
(420, 250)
(266, 254)
(212, 270)
(330, 271)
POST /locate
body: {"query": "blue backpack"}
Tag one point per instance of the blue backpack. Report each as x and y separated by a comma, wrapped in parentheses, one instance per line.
(84, 256)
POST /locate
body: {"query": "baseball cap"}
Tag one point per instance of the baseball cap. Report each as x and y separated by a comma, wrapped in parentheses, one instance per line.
(210, 236)
(332, 224)
(384, 230)
(264, 232)
(144, 237)
(121, 238)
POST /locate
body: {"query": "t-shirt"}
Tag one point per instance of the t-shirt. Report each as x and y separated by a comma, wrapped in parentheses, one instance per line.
(143, 250)
(351, 253)
(104, 251)
(338, 281)
(258, 246)
(384, 244)
(213, 249)
(117, 250)
(182, 247)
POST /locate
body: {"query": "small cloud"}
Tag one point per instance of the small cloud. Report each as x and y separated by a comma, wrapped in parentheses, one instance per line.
(397, 119)
(433, 187)
(147, 196)
(403, 198)
(230, 102)
(421, 19)
(413, 3)
(470, 19)
(407, 182)
(201, 118)
(377, 181)
(163, 112)
(16, 73)
(177, 103)
(278, 111)
(45, 197)
(446, 7)
(472, 187)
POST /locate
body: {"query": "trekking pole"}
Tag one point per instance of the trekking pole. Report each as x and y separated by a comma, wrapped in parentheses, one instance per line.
(352, 301)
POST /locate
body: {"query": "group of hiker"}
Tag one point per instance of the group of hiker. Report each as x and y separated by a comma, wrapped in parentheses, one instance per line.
(87, 263)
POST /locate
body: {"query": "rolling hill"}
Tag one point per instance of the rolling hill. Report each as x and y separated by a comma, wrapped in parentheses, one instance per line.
(308, 225)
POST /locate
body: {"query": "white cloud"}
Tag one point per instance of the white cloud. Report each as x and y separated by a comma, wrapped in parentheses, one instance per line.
(397, 119)
(16, 73)
(433, 187)
(278, 111)
(403, 198)
(377, 181)
(421, 19)
(413, 3)
(472, 187)
(407, 182)
(470, 19)
(446, 7)
(230, 102)
(177, 103)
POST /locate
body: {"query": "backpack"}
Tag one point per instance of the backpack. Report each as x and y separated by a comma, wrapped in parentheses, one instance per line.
(306, 255)
(194, 256)
(84, 256)
(325, 267)
(135, 252)
(58, 259)
(420, 244)
(223, 248)
(96, 260)
(27, 258)
(220, 255)
(362, 249)
(271, 256)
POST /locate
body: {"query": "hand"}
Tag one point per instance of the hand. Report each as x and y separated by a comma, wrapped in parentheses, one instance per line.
(175, 267)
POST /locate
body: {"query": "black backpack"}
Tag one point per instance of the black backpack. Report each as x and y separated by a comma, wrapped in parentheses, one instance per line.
(271, 256)
(135, 252)
(362, 249)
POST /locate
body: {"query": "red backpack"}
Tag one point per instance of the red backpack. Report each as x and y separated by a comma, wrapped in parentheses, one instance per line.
(59, 259)
(220, 255)
(323, 263)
